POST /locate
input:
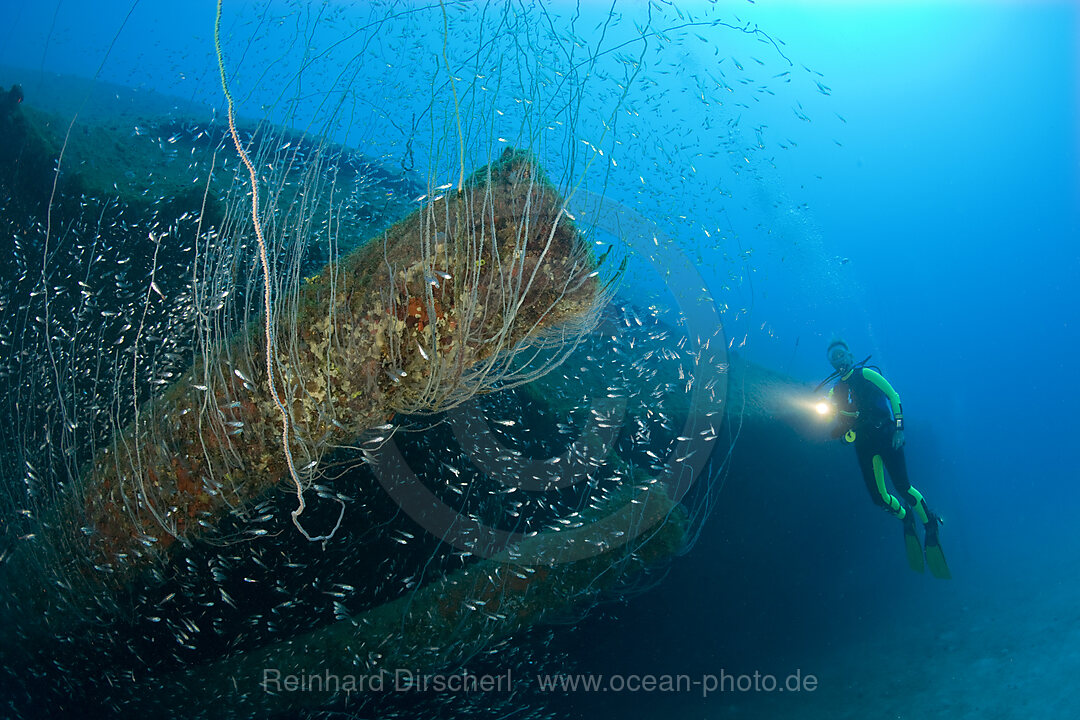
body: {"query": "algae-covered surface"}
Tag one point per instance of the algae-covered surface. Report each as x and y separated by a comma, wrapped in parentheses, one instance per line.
(159, 155)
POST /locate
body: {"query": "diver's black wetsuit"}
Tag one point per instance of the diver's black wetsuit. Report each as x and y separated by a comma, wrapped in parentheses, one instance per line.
(870, 414)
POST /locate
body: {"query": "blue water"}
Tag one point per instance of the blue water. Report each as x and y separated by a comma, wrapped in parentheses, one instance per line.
(955, 196)
(923, 203)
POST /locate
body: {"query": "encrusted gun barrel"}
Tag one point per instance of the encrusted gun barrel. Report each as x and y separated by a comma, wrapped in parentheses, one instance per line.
(417, 320)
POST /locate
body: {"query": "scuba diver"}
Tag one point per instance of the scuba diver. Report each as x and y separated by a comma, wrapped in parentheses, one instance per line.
(869, 416)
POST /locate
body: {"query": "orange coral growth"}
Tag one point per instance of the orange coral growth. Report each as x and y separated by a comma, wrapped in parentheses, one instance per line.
(415, 313)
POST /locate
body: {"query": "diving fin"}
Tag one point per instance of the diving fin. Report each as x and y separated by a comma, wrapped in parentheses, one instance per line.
(912, 544)
(935, 556)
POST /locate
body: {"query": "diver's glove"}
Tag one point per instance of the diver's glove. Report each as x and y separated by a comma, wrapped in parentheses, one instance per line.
(898, 440)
